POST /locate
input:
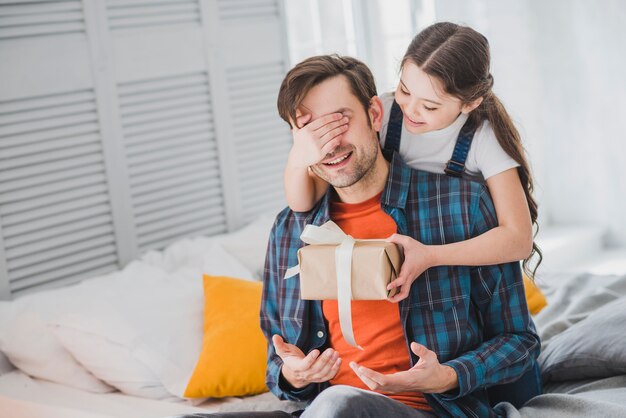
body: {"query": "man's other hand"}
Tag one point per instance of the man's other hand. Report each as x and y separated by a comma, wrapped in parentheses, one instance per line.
(300, 370)
(427, 376)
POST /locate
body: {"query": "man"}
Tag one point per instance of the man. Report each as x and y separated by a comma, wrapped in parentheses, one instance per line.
(461, 329)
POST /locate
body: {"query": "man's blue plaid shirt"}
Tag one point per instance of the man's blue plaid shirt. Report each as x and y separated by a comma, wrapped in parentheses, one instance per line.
(474, 318)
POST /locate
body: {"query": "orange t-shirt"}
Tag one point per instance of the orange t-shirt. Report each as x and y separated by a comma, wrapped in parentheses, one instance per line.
(376, 323)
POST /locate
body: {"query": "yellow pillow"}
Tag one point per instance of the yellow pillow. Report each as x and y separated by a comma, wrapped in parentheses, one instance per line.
(234, 350)
(534, 297)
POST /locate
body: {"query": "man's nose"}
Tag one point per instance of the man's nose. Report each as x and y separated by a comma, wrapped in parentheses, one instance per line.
(340, 144)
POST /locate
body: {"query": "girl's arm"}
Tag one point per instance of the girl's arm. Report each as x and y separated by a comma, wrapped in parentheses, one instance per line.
(303, 188)
(311, 142)
(511, 240)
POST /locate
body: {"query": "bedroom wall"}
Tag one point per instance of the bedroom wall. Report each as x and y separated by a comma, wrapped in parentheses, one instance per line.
(128, 124)
(558, 67)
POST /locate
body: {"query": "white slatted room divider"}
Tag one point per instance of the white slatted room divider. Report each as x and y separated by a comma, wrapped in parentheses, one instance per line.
(128, 124)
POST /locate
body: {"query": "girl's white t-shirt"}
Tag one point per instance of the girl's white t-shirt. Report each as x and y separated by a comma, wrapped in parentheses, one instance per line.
(431, 151)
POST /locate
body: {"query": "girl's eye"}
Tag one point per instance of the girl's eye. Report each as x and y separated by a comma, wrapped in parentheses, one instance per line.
(404, 92)
(430, 109)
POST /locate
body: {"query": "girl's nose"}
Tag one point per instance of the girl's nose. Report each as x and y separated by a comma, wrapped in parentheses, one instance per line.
(413, 109)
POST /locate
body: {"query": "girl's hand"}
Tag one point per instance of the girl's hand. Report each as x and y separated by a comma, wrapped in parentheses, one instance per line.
(313, 141)
(417, 258)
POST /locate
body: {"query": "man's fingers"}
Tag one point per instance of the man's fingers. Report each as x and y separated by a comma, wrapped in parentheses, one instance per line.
(369, 382)
(422, 352)
(279, 344)
(285, 350)
(327, 374)
(372, 379)
(334, 369)
(374, 376)
(323, 365)
(418, 349)
(309, 359)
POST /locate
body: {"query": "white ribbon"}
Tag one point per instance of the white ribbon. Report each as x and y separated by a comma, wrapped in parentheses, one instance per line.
(331, 234)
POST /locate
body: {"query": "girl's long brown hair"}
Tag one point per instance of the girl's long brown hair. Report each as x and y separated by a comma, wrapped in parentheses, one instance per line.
(459, 56)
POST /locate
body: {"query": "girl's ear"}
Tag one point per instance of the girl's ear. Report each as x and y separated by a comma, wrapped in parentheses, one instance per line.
(467, 108)
(375, 113)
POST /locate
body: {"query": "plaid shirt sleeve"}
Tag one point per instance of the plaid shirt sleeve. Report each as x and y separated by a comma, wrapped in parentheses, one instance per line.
(510, 342)
(271, 319)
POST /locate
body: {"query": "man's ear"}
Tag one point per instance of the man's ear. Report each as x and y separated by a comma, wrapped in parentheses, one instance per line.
(376, 113)
(467, 108)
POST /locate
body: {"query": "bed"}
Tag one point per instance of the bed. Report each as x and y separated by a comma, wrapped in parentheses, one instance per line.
(139, 356)
(107, 348)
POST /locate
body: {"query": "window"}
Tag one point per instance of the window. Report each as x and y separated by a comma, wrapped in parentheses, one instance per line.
(377, 32)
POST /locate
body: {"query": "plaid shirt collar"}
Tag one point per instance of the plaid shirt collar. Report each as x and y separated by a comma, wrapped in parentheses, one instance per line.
(394, 194)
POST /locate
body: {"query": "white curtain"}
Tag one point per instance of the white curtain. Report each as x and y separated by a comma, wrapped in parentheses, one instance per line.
(559, 67)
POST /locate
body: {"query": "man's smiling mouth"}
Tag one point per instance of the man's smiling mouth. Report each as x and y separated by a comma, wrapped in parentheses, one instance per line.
(338, 160)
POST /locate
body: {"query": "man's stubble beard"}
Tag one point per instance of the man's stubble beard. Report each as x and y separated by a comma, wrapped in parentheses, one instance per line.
(359, 169)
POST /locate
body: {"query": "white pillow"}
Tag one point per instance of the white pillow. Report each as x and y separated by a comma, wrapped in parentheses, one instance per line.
(246, 247)
(102, 345)
(135, 327)
(103, 335)
(203, 255)
(32, 349)
(147, 329)
(218, 262)
(170, 340)
(249, 244)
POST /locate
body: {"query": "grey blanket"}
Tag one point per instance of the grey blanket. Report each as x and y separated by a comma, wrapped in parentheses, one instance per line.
(583, 359)
(600, 398)
(583, 332)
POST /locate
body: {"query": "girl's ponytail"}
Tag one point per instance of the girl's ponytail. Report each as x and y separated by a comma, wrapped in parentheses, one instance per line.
(509, 139)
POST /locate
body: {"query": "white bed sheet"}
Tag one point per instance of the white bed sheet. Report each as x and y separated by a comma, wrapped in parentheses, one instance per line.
(24, 397)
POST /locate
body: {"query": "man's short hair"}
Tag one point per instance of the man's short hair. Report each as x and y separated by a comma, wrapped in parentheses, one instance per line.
(312, 71)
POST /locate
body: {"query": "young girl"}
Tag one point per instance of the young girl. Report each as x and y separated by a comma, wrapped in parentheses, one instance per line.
(443, 106)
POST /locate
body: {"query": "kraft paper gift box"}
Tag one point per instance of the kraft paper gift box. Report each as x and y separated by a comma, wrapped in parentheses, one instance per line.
(375, 264)
(336, 266)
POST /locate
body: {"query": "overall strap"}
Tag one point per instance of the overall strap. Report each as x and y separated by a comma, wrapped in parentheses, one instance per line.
(456, 164)
(394, 128)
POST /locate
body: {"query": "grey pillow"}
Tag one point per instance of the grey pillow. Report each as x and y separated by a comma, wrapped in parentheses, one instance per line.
(592, 348)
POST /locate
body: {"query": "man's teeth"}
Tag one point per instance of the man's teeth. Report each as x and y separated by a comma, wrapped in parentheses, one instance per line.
(338, 160)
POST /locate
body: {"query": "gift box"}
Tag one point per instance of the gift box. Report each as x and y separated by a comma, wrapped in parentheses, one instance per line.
(336, 266)
(375, 264)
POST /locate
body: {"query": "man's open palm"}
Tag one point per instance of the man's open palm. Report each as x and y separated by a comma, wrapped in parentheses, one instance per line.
(427, 376)
(300, 369)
